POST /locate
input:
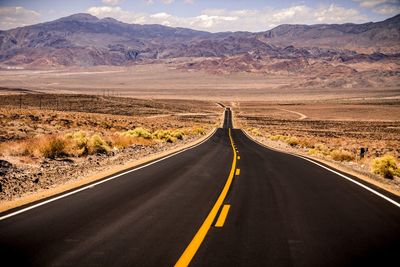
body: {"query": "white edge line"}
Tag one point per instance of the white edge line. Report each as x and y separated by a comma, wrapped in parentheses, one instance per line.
(103, 181)
(329, 169)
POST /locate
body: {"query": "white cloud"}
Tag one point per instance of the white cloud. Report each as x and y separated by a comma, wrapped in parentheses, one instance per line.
(238, 20)
(387, 10)
(111, 2)
(370, 3)
(120, 14)
(161, 15)
(12, 17)
(188, 1)
(166, 2)
(386, 7)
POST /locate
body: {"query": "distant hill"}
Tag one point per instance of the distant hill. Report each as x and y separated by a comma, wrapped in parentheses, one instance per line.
(85, 40)
(370, 37)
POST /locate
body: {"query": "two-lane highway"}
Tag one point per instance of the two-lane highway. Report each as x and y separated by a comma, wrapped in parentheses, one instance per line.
(226, 202)
(286, 211)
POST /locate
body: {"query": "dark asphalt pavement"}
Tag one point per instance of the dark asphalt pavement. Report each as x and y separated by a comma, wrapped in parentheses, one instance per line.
(285, 211)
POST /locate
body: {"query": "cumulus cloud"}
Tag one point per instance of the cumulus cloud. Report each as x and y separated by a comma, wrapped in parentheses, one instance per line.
(167, 2)
(388, 9)
(111, 2)
(120, 14)
(238, 20)
(370, 3)
(12, 17)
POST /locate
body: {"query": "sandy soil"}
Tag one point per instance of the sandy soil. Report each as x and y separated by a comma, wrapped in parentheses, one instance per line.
(164, 81)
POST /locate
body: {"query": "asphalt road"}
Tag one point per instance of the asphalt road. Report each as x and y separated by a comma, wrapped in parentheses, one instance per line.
(283, 211)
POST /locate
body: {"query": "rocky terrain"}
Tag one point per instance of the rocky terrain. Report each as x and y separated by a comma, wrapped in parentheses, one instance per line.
(84, 40)
(20, 179)
(44, 146)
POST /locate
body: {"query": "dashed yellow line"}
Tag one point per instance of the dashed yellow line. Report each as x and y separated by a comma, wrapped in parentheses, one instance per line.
(238, 157)
(194, 245)
(237, 172)
(222, 216)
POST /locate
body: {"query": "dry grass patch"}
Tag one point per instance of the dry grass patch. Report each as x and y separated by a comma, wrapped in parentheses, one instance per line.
(341, 155)
(386, 166)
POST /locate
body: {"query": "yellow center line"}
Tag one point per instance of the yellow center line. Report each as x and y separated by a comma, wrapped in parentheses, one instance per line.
(222, 216)
(237, 171)
(194, 245)
(238, 157)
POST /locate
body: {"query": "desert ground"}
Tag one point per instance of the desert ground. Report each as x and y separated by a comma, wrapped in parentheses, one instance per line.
(168, 81)
(55, 139)
(98, 116)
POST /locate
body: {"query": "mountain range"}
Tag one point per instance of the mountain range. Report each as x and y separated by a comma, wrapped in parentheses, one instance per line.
(85, 40)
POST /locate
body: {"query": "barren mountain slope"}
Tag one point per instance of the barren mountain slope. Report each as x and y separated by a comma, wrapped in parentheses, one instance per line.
(84, 40)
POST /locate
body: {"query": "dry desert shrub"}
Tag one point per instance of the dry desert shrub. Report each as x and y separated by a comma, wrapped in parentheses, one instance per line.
(254, 131)
(164, 135)
(138, 132)
(52, 147)
(96, 145)
(387, 166)
(77, 144)
(319, 149)
(292, 141)
(178, 134)
(121, 141)
(198, 131)
(277, 137)
(341, 155)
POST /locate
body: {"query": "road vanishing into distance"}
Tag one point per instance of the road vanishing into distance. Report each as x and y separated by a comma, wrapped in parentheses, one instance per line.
(226, 202)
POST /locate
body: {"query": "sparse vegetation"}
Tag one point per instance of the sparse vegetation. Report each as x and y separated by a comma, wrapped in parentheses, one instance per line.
(254, 131)
(96, 145)
(81, 143)
(164, 135)
(387, 166)
(198, 131)
(138, 132)
(52, 147)
(292, 141)
(51, 134)
(341, 155)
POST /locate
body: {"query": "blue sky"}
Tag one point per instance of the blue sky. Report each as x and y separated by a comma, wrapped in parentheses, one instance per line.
(209, 15)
